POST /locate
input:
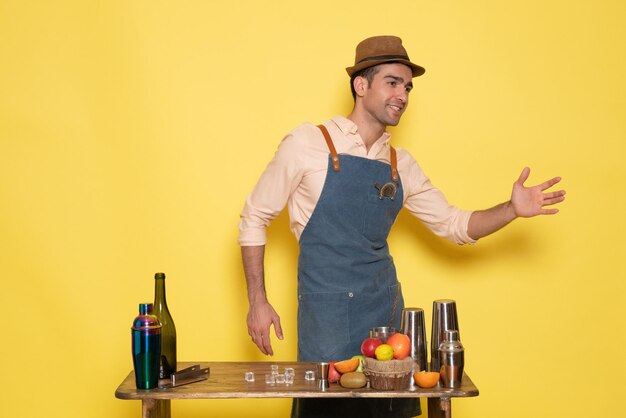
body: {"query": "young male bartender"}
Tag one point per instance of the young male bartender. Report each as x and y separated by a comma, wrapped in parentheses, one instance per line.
(344, 185)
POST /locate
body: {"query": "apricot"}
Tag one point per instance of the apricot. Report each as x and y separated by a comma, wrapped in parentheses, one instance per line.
(426, 379)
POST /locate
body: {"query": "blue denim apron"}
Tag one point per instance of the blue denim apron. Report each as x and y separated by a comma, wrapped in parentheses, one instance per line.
(347, 281)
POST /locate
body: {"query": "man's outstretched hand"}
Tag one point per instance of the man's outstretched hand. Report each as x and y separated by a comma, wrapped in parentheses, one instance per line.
(532, 201)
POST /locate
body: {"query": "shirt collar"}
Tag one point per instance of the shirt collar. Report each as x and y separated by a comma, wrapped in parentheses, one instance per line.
(349, 128)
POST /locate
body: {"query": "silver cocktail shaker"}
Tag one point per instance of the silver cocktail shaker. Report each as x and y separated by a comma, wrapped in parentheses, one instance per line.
(414, 327)
(444, 318)
(452, 357)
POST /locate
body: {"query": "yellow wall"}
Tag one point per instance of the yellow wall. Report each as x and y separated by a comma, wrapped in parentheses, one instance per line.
(131, 132)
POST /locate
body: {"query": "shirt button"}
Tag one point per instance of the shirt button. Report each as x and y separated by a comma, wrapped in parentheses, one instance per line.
(350, 294)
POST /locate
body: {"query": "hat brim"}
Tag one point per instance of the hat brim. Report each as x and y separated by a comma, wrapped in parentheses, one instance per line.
(415, 69)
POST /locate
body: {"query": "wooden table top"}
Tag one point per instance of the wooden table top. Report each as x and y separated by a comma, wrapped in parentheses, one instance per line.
(226, 380)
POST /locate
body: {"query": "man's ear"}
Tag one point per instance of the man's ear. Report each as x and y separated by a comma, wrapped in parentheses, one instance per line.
(360, 85)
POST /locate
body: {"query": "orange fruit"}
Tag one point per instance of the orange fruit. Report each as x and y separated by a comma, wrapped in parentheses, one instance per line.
(383, 352)
(426, 379)
(347, 366)
(401, 345)
(361, 362)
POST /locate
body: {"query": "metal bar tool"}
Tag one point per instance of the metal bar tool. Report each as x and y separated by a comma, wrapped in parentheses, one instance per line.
(185, 376)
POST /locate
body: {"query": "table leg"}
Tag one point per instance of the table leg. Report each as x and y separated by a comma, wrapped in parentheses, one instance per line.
(439, 408)
(156, 408)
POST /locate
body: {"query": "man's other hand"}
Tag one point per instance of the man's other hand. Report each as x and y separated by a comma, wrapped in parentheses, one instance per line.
(260, 317)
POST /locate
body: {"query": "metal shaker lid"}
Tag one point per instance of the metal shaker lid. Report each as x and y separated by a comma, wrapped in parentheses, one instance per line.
(451, 342)
(146, 320)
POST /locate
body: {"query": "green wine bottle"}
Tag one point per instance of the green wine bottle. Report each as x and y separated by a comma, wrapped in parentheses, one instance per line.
(168, 330)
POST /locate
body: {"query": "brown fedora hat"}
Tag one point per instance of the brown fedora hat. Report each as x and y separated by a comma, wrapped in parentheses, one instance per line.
(380, 49)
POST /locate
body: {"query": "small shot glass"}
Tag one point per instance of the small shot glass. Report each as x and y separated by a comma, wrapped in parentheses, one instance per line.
(249, 377)
(289, 371)
(280, 378)
(309, 375)
(274, 369)
(270, 379)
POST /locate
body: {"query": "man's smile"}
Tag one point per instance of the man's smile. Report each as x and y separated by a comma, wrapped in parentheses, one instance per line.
(398, 108)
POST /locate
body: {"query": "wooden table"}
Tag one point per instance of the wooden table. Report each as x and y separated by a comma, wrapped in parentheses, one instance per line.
(226, 381)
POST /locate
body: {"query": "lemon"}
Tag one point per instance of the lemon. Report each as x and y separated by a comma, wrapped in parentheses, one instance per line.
(383, 352)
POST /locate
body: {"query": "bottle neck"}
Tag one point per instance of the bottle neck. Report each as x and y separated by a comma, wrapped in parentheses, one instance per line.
(159, 292)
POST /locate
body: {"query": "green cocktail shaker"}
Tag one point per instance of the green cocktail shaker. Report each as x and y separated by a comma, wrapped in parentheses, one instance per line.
(146, 337)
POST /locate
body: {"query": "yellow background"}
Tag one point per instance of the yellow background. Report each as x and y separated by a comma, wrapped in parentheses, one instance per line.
(132, 131)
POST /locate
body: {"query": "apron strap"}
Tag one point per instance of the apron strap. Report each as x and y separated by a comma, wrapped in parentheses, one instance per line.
(333, 153)
(394, 164)
(331, 147)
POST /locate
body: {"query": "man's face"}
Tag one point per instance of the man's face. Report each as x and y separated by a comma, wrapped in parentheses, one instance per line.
(386, 98)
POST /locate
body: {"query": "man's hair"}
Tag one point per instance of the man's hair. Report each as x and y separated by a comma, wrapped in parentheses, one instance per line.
(367, 73)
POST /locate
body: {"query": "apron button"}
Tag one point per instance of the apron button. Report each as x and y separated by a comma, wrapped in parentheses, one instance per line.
(350, 294)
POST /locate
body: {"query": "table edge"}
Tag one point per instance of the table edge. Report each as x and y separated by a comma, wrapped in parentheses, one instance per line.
(164, 394)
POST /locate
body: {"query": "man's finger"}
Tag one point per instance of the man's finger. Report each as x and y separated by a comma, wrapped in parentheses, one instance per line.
(267, 345)
(553, 200)
(278, 329)
(524, 175)
(257, 339)
(260, 346)
(550, 183)
(549, 211)
(553, 195)
(267, 351)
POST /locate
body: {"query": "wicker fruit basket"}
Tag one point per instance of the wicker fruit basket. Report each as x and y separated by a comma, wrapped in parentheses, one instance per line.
(390, 374)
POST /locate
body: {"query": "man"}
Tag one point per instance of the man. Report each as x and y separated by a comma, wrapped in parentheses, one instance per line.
(344, 186)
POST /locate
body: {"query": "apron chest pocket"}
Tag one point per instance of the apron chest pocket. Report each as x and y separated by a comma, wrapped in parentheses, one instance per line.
(378, 217)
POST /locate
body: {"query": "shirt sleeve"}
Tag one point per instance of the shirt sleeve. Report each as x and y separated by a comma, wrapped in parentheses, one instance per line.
(429, 205)
(270, 195)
